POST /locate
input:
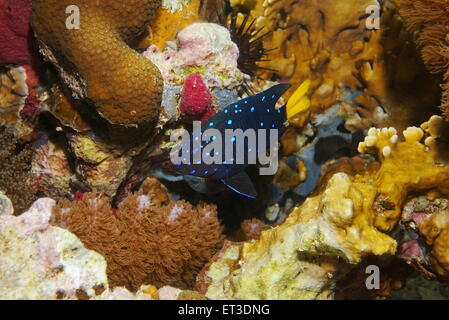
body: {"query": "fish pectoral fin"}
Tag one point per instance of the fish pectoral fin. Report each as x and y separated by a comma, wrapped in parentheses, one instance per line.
(241, 183)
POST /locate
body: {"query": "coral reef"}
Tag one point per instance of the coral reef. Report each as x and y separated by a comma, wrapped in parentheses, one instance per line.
(429, 21)
(102, 167)
(348, 219)
(250, 229)
(40, 261)
(429, 218)
(173, 16)
(51, 168)
(100, 50)
(148, 239)
(204, 48)
(16, 33)
(362, 166)
(13, 96)
(15, 178)
(328, 43)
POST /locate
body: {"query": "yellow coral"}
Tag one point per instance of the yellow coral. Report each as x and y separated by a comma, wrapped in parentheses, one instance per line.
(346, 221)
(96, 62)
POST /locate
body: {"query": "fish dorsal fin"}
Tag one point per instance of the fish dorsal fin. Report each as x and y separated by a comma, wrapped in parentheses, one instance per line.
(241, 183)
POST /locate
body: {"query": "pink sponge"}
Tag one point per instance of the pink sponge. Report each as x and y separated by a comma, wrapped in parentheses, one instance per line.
(196, 99)
(16, 41)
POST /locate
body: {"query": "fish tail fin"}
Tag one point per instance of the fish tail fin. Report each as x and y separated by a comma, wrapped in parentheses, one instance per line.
(241, 184)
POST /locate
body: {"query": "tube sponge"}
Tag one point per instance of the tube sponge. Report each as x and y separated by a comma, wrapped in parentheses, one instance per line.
(96, 60)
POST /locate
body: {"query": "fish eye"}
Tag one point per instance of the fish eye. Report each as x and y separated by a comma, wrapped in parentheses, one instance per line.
(166, 164)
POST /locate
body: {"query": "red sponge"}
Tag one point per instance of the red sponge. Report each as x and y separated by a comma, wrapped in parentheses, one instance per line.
(196, 98)
(16, 41)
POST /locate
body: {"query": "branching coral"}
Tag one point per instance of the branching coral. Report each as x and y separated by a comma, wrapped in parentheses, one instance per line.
(15, 178)
(96, 62)
(429, 20)
(148, 239)
(346, 221)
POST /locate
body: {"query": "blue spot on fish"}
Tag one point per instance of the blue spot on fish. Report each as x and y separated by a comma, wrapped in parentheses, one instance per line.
(256, 112)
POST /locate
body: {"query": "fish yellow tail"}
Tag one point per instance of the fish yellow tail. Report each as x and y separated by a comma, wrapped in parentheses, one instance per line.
(299, 102)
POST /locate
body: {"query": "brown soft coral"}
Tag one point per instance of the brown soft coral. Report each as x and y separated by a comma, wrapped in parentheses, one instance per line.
(429, 20)
(15, 177)
(148, 239)
(96, 60)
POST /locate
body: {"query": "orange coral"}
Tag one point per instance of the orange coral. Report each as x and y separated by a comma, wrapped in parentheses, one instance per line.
(96, 60)
(429, 20)
(148, 239)
(167, 24)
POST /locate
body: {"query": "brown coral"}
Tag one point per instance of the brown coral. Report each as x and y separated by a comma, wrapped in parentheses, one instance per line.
(250, 229)
(429, 20)
(328, 42)
(96, 60)
(148, 239)
(15, 178)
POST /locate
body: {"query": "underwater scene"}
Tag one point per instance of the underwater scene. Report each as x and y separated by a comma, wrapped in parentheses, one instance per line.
(224, 149)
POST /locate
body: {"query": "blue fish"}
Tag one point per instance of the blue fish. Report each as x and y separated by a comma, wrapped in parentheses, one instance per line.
(255, 112)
